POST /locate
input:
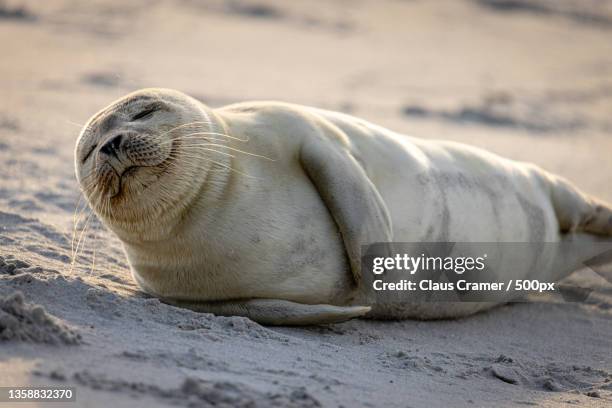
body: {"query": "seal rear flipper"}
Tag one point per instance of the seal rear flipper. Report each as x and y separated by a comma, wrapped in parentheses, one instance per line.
(577, 211)
(350, 196)
(276, 312)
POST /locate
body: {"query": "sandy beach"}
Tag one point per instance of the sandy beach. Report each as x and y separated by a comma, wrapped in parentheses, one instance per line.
(529, 80)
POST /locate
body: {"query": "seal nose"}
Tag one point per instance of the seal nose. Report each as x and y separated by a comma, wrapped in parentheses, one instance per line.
(111, 147)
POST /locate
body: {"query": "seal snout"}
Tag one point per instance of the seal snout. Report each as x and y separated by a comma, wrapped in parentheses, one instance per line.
(129, 149)
(122, 154)
(111, 147)
(110, 180)
(112, 163)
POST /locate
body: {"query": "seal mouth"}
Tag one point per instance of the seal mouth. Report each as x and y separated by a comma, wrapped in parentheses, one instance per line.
(131, 170)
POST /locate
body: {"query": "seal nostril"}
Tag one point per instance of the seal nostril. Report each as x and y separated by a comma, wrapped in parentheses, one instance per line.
(111, 147)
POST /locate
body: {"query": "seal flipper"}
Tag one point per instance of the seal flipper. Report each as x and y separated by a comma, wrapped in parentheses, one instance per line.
(578, 212)
(276, 312)
(353, 201)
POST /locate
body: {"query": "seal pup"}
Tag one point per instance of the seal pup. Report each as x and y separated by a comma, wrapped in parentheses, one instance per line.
(260, 209)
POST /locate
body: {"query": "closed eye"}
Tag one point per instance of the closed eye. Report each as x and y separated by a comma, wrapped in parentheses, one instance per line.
(89, 153)
(145, 113)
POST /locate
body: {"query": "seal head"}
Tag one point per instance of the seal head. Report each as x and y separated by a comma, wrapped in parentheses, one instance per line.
(131, 162)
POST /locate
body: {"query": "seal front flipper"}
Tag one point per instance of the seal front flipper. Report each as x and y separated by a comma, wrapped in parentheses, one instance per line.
(276, 312)
(353, 201)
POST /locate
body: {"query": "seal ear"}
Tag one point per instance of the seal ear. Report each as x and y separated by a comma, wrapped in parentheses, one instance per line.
(276, 312)
(353, 201)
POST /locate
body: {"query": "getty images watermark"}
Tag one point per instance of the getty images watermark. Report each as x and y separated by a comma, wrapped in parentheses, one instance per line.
(480, 271)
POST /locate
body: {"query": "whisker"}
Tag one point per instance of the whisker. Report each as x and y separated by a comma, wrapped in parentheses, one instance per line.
(209, 150)
(74, 259)
(185, 125)
(219, 164)
(229, 148)
(217, 134)
(192, 138)
(74, 123)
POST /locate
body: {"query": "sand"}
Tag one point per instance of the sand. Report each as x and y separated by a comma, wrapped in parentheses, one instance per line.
(31, 323)
(531, 80)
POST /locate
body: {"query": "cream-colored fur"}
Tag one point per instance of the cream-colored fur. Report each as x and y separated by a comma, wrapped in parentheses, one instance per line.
(260, 209)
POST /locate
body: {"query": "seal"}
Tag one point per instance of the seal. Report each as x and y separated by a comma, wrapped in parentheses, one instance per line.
(260, 209)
